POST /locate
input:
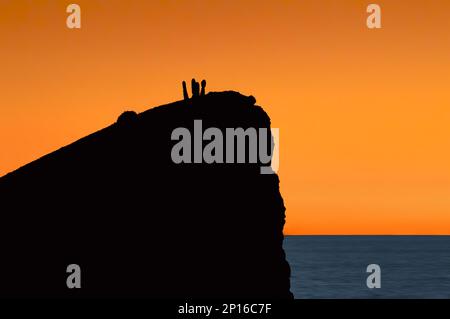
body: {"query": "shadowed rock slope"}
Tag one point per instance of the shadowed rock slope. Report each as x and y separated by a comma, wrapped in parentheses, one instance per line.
(140, 225)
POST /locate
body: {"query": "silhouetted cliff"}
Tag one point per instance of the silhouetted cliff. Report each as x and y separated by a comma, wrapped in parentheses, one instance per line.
(138, 224)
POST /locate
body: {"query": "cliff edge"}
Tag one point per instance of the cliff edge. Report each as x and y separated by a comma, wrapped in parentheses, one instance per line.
(140, 225)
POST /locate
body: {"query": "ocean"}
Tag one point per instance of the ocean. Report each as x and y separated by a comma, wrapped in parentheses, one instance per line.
(336, 266)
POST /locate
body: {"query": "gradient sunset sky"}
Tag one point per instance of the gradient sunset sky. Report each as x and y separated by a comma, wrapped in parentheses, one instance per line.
(364, 115)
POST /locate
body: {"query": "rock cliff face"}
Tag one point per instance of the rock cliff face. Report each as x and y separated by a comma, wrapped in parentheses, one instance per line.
(140, 225)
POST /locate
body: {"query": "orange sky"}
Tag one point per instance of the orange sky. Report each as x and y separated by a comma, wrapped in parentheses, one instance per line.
(364, 115)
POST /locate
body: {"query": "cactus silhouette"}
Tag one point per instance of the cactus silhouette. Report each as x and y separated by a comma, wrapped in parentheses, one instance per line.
(195, 88)
(185, 93)
(203, 88)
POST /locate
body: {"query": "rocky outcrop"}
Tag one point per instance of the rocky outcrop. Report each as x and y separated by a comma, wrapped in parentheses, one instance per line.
(140, 225)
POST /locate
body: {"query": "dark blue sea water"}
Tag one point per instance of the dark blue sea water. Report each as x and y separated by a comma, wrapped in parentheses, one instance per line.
(335, 266)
